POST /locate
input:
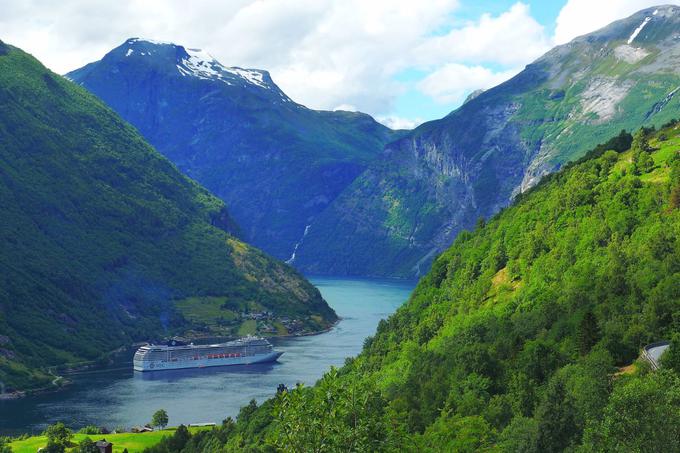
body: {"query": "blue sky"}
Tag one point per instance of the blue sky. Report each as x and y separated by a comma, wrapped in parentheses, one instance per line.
(402, 61)
(413, 103)
(545, 12)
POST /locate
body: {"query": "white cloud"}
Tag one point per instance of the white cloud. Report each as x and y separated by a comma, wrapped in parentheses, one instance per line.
(323, 53)
(579, 17)
(511, 38)
(397, 122)
(452, 82)
(352, 51)
(346, 108)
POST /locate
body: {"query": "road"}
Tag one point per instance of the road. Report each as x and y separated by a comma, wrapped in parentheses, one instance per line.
(652, 353)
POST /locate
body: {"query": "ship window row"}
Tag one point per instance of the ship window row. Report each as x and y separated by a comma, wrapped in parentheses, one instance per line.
(183, 354)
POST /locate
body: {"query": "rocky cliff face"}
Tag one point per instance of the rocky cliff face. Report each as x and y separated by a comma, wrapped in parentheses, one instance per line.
(429, 185)
(276, 164)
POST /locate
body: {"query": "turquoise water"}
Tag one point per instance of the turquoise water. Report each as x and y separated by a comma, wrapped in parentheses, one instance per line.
(119, 397)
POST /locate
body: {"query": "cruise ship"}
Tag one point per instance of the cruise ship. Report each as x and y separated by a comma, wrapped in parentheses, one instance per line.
(177, 355)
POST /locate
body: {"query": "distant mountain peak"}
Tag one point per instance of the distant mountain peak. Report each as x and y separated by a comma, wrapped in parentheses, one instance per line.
(648, 26)
(192, 62)
(201, 64)
(150, 41)
(473, 95)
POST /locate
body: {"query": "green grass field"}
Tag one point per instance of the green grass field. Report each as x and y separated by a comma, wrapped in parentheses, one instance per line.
(209, 310)
(204, 309)
(248, 327)
(132, 441)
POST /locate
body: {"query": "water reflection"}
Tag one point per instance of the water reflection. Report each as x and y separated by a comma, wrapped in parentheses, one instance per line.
(188, 373)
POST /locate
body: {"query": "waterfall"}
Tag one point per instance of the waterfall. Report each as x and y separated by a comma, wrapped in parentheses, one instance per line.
(297, 245)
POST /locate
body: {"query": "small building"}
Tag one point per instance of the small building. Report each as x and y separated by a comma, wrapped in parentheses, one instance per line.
(104, 446)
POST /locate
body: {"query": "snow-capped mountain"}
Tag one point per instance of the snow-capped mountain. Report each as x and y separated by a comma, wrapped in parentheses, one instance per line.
(187, 62)
(276, 163)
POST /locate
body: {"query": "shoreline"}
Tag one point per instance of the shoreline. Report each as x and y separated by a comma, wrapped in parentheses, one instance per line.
(60, 382)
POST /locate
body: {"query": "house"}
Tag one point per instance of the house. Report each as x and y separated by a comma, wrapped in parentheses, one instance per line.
(104, 446)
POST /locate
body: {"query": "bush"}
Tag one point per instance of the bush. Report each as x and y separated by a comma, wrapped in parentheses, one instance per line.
(159, 419)
(58, 434)
(87, 445)
(90, 429)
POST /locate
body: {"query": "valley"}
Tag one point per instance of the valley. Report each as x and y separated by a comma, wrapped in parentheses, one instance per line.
(100, 229)
(488, 261)
(274, 162)
(516, 338)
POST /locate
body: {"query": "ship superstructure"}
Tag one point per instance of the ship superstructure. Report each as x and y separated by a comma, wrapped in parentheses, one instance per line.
(177, 355)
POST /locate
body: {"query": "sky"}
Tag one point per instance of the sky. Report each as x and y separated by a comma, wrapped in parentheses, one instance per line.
(404, 62)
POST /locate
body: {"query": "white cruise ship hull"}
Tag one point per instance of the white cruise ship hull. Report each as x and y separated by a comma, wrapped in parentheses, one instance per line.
(179, 364)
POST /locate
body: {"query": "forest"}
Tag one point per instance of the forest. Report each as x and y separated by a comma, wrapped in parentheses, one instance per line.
(524, 336)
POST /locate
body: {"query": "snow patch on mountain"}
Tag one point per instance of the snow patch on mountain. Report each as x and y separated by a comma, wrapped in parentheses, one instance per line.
(201, 64)
(639, 29)
(251, 76)
(204, 66)
(151, 41)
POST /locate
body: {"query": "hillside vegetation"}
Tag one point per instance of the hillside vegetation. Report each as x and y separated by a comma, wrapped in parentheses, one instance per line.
(100, 234)
(513, 340)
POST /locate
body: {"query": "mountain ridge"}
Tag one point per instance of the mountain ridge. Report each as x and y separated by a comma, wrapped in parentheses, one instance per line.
(275, 163)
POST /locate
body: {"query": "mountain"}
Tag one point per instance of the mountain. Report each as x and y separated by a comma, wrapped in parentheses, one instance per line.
(524, 335)
(410, 204)
(104, 242)
(276, 163)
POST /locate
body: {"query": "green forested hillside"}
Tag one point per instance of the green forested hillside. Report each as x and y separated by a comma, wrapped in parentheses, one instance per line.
(100, 234)
(522, 336)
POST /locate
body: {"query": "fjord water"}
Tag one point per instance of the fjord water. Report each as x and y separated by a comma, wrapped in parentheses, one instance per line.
(117, 396)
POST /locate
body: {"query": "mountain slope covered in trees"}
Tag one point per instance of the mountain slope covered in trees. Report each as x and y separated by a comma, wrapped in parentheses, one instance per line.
(520, 337)
(408, 206)
(276, 163)
(101, 235)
